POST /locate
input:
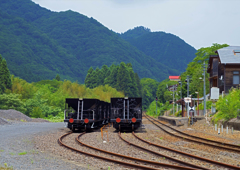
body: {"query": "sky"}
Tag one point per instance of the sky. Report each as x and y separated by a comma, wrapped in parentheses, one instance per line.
(199, 23)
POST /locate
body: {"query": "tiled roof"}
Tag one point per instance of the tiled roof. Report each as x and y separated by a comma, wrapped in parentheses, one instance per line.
(174, 77)
(228, 56)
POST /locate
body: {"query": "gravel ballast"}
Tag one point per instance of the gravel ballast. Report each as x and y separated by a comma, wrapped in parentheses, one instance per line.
(33, 145)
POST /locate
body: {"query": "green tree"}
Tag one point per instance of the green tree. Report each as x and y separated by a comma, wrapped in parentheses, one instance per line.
(111, 80)
(105, 72)
(133, 84)
(123, 79)
(98, 77)
(139, 86)
(5, 77)
(88, 79)
(149, 93)
(12, 101)
(57, 77)
(162, 88)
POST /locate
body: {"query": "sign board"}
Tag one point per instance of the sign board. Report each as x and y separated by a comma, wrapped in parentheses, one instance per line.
(191, 108)
(214, 93)
(187, 99)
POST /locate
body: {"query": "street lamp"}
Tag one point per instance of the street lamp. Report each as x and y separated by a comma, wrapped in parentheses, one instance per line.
(197, 102)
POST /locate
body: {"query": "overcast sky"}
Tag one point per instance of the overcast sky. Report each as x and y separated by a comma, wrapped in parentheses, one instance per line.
(198, 22)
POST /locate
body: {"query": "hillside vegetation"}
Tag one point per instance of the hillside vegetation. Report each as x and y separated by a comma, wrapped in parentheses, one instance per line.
(38, 44)
(163, 47)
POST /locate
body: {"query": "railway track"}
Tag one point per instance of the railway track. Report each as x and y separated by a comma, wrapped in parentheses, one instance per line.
(162, 155)
(137, 166)
(186, 154)
(216, 144)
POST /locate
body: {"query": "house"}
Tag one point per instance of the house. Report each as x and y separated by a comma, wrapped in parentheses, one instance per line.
(224, 69)
(174, 78)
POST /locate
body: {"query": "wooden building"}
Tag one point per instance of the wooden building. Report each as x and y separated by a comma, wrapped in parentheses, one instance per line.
(224, 69)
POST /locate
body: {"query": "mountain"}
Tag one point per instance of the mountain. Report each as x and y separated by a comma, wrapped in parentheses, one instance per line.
(39, 44)
(163, 47)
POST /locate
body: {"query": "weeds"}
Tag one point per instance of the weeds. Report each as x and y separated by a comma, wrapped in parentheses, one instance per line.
(1, 150)
(5, 167)
(33, 152)
(11, 153)
(23, 153)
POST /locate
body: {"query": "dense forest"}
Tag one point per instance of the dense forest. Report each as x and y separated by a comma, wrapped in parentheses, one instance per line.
(38, 44)
(64, 43)
(121, 77)
(163, 47)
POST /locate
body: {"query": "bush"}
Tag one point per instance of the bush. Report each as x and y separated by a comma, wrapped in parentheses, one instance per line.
(12, 101)
(228, 106)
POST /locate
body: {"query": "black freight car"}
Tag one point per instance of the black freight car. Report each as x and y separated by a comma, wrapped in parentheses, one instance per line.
(126, 113)
(84, 113)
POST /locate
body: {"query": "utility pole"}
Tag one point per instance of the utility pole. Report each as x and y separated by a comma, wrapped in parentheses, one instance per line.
(181, 89)
(156, 104)
(204, 88)
(188, 94)
(187, 86)
(173, 98)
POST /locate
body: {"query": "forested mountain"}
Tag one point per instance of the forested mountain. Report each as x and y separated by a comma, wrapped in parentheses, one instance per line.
(163, 47)
(39, 44)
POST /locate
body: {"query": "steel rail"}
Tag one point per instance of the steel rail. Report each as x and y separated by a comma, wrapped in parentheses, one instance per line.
(193, 140)
(187, 154)
(208, 140)
(104, 158)
(159, 154)
(133, 158)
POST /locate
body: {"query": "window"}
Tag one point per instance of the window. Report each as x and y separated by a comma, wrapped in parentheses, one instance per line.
(236, 77)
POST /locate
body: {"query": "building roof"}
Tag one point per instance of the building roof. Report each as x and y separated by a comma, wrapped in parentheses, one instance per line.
(174, 77)
(229, 55)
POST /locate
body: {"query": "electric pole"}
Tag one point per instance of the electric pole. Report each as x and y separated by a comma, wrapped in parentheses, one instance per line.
(188, 94)
(204, 88)
(156, 104)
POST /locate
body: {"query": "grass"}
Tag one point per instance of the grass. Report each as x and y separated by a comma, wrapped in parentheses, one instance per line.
(1, 150)
(33, 152)
(11, 153)
(27, 141)
(23, 120)
(5, 167)
(23, 153)
(161, 138)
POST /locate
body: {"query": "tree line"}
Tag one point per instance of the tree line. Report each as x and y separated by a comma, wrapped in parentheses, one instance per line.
(5, 78)
(121, 77)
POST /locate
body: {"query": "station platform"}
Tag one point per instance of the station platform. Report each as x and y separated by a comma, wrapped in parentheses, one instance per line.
(178, 121)
(175, 121)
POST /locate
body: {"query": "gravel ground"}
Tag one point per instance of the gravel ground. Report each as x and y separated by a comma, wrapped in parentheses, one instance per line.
(17, 145)
(114, 144)
(33, 145)
(207, 130)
